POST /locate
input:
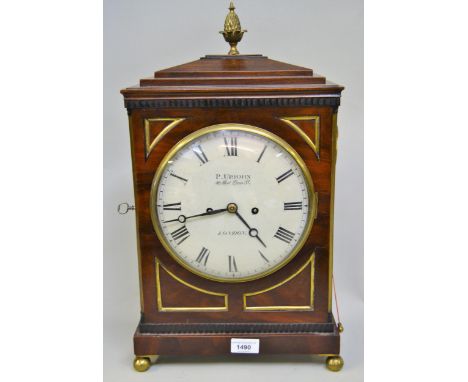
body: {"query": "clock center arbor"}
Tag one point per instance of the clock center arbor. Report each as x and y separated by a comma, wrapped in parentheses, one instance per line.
(233, 164)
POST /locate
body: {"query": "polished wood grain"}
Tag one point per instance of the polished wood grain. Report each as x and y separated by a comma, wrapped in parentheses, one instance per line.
(302, 285)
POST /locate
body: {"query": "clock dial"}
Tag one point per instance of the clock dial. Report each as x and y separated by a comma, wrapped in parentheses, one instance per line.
(232, 202)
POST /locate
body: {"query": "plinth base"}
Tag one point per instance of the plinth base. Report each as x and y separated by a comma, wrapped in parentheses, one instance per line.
(324, 340)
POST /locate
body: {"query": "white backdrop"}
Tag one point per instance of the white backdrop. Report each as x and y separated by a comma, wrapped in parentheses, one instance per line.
(147, 35)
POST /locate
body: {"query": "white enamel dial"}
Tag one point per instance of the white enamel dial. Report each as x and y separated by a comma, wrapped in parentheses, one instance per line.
(232, 202)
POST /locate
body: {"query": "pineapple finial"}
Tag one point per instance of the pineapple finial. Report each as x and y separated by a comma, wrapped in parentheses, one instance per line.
(232, 30)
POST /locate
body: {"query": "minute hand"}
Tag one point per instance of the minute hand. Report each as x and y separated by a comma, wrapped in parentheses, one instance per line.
(253, 232)
(183, 218)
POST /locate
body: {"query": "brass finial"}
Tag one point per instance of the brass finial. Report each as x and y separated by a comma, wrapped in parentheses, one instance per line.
(232, 30)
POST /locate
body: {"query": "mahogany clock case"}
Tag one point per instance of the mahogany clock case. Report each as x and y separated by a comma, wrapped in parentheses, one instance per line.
(289, 310)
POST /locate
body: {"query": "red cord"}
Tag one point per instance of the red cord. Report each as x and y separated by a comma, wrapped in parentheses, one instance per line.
(336, 300)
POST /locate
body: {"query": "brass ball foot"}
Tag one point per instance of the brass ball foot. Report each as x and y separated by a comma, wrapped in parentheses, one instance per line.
(335, 363)
(141, 363)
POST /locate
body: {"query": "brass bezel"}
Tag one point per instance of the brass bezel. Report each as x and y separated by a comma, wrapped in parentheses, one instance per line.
(253, 130)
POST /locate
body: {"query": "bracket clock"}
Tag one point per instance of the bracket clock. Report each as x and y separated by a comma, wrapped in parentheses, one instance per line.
(233, 164)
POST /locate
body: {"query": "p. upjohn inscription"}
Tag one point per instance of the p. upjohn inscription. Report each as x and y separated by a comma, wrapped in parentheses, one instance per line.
(233, 179)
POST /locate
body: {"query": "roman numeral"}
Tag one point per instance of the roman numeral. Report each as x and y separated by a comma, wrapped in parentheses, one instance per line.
(293, 206)
(178, 177)
(203, 256)
(232, 147)
(200, 154)
(181, 234)
(284, 235)
(172, 207)
(261, 154)
(263, 257)
(232, 264)
(284, 176)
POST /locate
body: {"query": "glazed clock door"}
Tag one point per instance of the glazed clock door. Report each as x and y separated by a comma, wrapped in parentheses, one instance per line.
(232, 203)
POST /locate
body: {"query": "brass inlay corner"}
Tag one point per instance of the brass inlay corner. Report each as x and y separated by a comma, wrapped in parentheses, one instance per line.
(314, 144)
(311, 261)
(150, 145)
(163, 308)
